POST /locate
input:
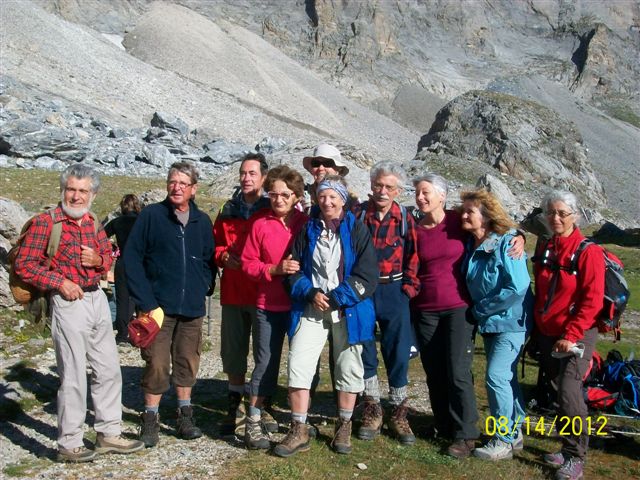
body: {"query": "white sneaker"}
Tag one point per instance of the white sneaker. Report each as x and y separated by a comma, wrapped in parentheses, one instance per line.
(494, 449)
(518, 441)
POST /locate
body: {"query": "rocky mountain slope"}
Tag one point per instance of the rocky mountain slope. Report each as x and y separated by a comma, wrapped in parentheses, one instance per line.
(368, 75)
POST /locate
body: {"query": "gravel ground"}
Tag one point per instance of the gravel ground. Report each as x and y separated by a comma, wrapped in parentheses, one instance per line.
(30, 439)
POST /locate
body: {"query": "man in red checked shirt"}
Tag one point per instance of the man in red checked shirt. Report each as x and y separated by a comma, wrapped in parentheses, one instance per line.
(80, 317)
(394, 238)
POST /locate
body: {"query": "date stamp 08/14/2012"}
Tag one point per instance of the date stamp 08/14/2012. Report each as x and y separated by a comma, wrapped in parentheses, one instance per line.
(546, 426)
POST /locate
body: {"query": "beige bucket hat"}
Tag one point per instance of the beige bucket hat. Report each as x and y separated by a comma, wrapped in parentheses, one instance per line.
(327, 152)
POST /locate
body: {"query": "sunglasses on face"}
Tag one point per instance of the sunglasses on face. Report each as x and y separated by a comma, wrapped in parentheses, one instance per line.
(321, 162)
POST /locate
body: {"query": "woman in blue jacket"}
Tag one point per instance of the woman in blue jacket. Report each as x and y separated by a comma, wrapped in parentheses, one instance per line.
(330, 295)
(502, 300)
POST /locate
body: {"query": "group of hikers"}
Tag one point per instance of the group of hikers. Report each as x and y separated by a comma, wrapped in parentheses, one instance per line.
(311, 263)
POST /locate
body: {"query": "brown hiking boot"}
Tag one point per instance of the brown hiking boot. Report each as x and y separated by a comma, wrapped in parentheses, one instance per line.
(149, 429)
(372, 418)
(117, 444)
(296, 440)
(461, 448)
(76, 455)
(186, 424)
(341, 442)
(235, 417)
(399, 425)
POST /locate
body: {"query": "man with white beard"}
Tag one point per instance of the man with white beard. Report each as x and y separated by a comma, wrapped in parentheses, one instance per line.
(80, 317)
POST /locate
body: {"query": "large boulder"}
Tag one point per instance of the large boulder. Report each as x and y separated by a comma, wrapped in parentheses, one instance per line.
(517, 138)
(12, 218)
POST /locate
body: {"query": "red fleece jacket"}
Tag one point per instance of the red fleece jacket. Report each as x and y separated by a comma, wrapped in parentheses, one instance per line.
(577, 299)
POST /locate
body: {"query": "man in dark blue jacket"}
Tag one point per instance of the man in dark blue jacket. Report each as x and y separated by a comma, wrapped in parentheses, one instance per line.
(169, 265)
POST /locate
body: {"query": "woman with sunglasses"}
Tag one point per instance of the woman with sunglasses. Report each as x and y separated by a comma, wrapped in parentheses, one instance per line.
(566, 305)
(266, 259)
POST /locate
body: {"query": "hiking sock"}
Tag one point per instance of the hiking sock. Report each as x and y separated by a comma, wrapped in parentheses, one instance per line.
(254, 411)
(152, 408)
(372, 388)
(345, 414)
(397, 395)
(184, 403)
(237, 388)
(299, 417)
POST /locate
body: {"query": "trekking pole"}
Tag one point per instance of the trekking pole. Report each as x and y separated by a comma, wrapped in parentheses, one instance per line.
(209, 326)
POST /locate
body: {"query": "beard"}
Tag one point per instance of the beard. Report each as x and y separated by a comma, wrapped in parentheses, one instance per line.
(76, 213)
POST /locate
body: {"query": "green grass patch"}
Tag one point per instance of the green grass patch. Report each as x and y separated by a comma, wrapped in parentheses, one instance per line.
(36, 189)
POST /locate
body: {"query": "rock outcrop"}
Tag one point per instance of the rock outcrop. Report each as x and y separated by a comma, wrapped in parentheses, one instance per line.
(518, 138)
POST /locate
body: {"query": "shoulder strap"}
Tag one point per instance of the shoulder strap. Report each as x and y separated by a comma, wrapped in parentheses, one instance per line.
(364, 206)
(576, 255)
(403, 224)
(54, 237)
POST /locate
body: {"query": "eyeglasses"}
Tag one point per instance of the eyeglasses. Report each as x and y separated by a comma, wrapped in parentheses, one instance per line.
(180, 185)
(317, 162)
(284, 195)
(378, 187)
(560, 213)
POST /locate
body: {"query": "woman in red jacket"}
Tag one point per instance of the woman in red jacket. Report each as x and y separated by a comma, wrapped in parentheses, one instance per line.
(566, 306)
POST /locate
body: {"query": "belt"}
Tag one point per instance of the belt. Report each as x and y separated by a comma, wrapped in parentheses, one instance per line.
(390, 278)
(91, 288)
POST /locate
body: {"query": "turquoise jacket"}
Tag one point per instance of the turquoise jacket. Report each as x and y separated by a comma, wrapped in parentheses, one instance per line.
(499, 286)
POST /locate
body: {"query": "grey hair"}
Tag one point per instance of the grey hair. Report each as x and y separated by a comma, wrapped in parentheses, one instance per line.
(188, 168)
(387, 167)
(438, 182)
(568, 198)
(79, 170)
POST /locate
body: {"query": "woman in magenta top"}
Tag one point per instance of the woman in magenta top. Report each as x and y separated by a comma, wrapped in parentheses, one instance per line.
(266, 258)
(445, 329)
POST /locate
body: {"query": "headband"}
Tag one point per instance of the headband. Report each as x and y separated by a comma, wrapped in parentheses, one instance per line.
(333, 185)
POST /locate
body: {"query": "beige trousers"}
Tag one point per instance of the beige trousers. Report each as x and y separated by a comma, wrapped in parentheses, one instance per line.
(83, 336)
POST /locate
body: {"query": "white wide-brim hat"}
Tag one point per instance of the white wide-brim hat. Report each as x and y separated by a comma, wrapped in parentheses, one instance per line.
(328, 152)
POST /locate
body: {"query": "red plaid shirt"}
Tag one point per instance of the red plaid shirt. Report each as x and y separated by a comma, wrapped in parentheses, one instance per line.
(395, 254)
(31, 261)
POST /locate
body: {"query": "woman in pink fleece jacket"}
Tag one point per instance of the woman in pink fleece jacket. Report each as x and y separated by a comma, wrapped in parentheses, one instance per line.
(265, 259)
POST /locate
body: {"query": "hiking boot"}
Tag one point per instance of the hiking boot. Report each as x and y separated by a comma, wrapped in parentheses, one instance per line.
(296, 440)
(399, 425)
(256, 436)
(117, 444)
(518, 441)
(341, 442)
(371, 419)
(494, 449)
(461, 448)
(235, 415)
(76, 455)
(571, 469)
(313, 430)
(149, 429)
(186, 424)
(553, 459)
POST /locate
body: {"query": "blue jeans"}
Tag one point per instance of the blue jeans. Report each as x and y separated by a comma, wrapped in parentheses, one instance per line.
(396, 335)
(503, 390)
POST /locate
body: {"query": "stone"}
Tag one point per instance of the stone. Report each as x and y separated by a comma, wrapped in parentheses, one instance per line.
(12, 218)
(170, 123)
